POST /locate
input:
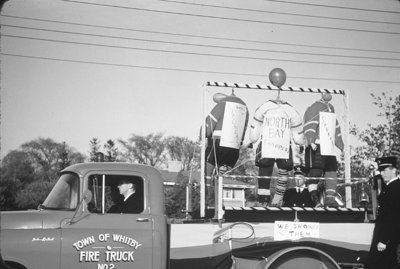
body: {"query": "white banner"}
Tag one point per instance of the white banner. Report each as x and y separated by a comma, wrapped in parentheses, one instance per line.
(276, 135)
(233, 125)
(327, 128)
(289, 230)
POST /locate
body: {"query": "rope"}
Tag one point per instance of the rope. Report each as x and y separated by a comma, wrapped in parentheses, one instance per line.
(296, 208)
(267, 87)
(352, 180)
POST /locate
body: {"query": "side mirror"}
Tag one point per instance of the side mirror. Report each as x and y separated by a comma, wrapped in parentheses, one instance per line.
(87, 196)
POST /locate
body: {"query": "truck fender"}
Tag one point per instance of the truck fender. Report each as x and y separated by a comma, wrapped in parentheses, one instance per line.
(298, 258)
(11, 264)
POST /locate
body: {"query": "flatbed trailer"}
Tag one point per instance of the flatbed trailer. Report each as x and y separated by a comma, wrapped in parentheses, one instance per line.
(342, 242)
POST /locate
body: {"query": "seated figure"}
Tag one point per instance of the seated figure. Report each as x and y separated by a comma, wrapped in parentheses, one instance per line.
(299, 195)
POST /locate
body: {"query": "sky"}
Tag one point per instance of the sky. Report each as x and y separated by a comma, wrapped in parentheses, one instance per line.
(75, 70)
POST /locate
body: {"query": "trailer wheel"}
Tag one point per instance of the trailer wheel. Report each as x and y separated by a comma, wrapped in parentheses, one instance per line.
(299, 258)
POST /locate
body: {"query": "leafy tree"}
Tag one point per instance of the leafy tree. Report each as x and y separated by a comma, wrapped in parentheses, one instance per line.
(94, 145)
(33, 194)
(48, 157)
(111, 151)
(380, 140)
(150, 150)
(8, 189)
(175, 197)
(182, 149)
(29, 172)
(377, 141)
(17, 166)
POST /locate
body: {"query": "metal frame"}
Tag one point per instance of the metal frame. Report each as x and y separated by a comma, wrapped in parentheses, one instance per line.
(345, 133)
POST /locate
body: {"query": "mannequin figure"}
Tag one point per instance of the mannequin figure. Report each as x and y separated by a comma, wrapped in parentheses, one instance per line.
(318, 162)
(275, 125)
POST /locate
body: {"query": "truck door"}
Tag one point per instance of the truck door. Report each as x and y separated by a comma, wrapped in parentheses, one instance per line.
(98, 239)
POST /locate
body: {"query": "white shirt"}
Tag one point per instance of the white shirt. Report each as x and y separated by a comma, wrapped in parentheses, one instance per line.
(126, 197)
(390, 181)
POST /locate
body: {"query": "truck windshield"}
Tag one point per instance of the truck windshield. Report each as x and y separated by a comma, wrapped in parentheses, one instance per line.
(64, 195)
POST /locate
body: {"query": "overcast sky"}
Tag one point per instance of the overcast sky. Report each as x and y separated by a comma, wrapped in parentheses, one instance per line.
(74, 70)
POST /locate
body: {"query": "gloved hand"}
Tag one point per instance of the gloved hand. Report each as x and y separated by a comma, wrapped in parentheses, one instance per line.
(314, 197)
(301, 149)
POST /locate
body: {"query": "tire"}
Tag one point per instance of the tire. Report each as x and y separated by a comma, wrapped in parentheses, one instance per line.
(299, 258)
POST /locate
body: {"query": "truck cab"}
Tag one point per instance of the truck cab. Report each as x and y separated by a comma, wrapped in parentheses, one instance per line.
(74, 229)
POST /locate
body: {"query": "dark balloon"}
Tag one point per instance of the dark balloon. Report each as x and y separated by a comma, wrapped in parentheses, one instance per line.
(277, 77)
(218, 97)
(327, 97)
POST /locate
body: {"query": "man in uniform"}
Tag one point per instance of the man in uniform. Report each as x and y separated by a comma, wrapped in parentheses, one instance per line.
(130, 202)
(299, 195)
(386, 235)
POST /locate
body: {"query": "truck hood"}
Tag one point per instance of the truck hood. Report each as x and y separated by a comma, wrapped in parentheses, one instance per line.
(32, 219)
(21, 220)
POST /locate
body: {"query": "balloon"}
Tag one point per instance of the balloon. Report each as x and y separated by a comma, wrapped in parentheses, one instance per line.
(277, 77)
(326, 97)
(218, 97)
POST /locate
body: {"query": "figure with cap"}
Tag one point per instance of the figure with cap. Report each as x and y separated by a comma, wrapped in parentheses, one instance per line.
(322, 134)
(298, 195)
(386, 235)
(225, 130)
(129, 202)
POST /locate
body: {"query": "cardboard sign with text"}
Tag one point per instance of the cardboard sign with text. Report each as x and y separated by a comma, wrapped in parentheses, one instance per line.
(327, 129)
(276, 135)
(292, 230)
(233, 125)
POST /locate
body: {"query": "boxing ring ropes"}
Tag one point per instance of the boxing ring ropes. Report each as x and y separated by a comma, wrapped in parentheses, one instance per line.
(346, 139)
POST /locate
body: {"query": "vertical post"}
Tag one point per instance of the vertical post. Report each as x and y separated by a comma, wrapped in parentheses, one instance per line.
(347, 169)
(243, 197)
(203, 159)
(188, 200)
(103, 194)
(219, 207)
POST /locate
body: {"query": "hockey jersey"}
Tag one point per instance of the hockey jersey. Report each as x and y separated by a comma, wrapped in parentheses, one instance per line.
(276, 124)
(312, 123)
(228, 121)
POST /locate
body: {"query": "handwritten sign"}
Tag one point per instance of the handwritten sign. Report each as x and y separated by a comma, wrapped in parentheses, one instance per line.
(233, 125)
(276, 135)
(288, 230)
(327, 129)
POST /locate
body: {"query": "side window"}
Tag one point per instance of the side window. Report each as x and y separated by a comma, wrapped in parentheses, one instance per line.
(116, 194)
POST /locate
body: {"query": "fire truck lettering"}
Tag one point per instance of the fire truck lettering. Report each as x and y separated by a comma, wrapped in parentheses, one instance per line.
(84, 242)
(105, 266)
(89, 256)
(126, 240)
(117, 256)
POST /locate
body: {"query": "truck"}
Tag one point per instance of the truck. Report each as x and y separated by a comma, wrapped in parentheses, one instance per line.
(72, 229)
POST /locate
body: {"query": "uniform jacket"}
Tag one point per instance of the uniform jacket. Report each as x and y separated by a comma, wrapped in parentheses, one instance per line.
(134, 204)
(294, 198)
(387, 225)
(311, 123)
